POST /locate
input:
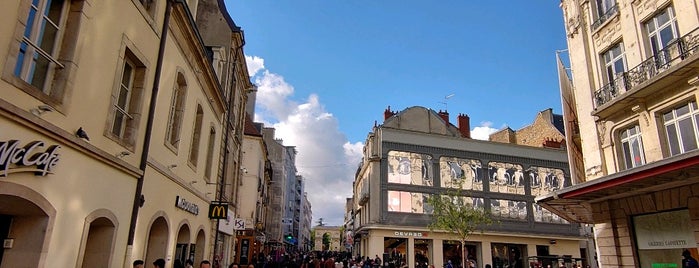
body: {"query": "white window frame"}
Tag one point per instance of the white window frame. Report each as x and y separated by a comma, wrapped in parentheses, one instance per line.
(129, 87)
(653, 29)
(35, 48)
(672, 120)
(631, 139)
(610, 60)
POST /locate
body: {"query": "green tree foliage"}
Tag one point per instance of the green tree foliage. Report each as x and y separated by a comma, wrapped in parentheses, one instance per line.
(326, 241)
(313, 238)
(451, 213)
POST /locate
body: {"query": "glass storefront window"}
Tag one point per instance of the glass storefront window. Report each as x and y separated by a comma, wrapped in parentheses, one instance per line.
(508, 255)
(465, 172)
(408, 202)
(410, 168)
(506, 178)
(395, 250)
(547, 180)
(544, 215)
(452, 252)
(661, 238)
(423, 253)
(509, 209)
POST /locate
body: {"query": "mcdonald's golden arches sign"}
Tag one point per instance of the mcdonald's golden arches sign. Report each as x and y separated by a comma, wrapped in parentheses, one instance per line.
(218, 211)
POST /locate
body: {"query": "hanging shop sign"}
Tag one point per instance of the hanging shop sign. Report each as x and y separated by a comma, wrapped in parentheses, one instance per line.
(186, 205)
(218, 211)
(29, 158)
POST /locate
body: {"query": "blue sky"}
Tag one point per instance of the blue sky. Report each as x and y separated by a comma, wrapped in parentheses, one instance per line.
(333, 66)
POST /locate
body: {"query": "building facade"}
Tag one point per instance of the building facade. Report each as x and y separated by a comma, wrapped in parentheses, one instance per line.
(112, 133)
(416, 153)
(633, 96)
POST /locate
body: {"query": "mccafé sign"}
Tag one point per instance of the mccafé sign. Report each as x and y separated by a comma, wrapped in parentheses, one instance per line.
(33, 157)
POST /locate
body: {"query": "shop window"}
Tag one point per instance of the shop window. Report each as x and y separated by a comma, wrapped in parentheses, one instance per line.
(661, 238)
(395, 251)
(98, 246)
(508, 255)
(410, 168)
(455, 172)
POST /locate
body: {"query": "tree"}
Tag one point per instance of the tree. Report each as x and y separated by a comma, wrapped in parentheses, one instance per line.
(313, 238)
(451, 213)
(326, 241)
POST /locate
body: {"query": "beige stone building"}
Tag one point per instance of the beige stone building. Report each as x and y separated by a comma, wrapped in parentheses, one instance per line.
(632, 107)
(334, 237)
(546, 130)
(418, 152)
(113, 123)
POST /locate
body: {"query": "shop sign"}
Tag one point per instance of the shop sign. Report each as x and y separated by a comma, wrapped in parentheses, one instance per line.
(226, 225)
(218, 211)
(186, 205)
(666, 230)
(410, 234)
(29, 158)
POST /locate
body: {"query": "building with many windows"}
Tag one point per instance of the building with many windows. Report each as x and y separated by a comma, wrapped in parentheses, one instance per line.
(112, 117)
(416, 153)
(633, 98)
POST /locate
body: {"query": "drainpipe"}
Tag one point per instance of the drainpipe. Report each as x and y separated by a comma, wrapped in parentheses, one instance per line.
(138, 196)
(229, 107)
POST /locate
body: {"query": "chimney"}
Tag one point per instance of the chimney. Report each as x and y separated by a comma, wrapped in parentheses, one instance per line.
(464, 124)
(444, 115)
(388, 113)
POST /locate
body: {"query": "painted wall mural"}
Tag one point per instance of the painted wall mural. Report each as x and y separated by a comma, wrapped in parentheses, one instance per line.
(546, 180)
(506, 178)
(457, 171)
(509, 209)
(410, 168)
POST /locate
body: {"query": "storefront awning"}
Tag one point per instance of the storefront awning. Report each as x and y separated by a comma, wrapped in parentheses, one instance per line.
(574, 203)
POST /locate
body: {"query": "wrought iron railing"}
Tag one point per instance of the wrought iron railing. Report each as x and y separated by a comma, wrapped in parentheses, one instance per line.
(675, 52)
(608, 14)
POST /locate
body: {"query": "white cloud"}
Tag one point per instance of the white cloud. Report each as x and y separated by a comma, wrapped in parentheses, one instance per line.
(326, 159)
(255, 64)
(483, 131)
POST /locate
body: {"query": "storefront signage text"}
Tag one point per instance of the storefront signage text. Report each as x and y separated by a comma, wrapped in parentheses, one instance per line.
(14, 158)
(186, 205)
(412, 234)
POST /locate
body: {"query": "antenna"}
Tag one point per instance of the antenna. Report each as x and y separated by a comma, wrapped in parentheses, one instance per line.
(446, 98)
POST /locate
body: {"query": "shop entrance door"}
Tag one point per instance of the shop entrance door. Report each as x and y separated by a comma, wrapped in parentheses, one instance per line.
(5, 221)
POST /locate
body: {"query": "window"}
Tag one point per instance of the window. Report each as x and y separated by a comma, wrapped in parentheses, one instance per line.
(605, 10)
(126, 100)
(210, 153)
(681, 128)
(614, 63)
(632, 147)
(196, 137)
(174, 125)
(37, 51)
(149, 5)
(662, 29)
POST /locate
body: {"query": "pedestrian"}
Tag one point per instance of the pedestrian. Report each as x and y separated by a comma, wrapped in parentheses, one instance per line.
(159, 263)
(189, 264)
(178, 264)
(205, 264)
(138, 264)
(688, 261)
(449, 264)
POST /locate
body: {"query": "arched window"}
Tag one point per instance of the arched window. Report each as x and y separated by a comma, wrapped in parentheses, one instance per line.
(196, 137)
(210, 153)
(174, 124)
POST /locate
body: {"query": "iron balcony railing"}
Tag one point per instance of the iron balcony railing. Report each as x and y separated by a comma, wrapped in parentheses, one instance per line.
(674, 53)
(604, 17)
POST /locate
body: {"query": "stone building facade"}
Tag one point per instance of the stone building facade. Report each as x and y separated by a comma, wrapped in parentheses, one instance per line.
(417, 152)
(633, 98)
(547, 130)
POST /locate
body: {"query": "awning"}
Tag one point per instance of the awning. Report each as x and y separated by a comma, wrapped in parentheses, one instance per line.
(574, 203)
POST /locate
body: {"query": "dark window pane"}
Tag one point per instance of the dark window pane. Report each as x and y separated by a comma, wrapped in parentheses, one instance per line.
(672, 140)
(627, 154)
(636, 152)
(689, 141)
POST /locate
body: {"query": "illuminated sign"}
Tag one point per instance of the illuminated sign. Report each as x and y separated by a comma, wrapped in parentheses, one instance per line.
(186, 205)
(29, 158)
(218, 211)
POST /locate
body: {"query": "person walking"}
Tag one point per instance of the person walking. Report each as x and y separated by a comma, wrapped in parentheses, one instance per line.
(688, 261)
(159, 263)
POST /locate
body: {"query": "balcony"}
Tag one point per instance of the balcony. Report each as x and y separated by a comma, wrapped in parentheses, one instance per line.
(605, 17)
(677, 60)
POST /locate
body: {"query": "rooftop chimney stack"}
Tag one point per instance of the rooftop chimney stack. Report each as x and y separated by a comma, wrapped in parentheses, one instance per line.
(464, 124)
(444, 115)
(388, 113)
